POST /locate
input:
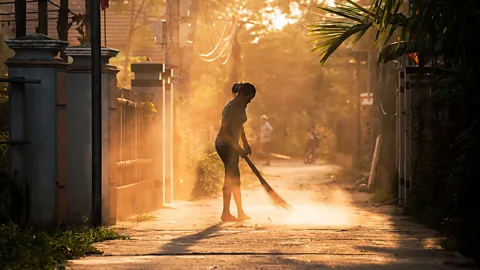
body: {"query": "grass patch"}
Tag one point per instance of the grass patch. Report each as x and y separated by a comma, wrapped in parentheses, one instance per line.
(144, 217)
(27, 248)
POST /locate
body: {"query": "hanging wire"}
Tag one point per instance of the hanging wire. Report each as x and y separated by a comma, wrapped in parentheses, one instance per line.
(228, 45)
(231, 45)
(218, 43)
(229, 53)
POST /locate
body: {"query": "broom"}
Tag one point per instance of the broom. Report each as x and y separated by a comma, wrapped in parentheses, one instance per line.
(276, 200)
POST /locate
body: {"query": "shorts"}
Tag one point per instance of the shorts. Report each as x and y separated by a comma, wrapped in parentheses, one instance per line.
(230, 159)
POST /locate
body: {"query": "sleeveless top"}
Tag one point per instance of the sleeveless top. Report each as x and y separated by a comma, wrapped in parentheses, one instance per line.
(235, 116)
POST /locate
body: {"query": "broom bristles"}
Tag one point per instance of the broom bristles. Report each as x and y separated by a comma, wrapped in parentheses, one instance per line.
(275, 199)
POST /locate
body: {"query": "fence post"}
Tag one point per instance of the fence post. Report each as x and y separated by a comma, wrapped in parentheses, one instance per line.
(44, 122)
(401, 137)
(148, 79)
(168, 122)
(79, 116)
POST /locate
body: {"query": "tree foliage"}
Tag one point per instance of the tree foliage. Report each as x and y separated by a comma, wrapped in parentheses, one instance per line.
(140, 14)
(293, 90)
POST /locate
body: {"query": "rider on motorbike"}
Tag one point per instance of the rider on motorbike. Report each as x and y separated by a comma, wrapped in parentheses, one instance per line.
(313, 142)
(311, 148)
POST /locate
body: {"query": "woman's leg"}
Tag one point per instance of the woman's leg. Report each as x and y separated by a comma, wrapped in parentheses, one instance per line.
(237, 195)
(266, 147)
(225, 156)
(234, 171)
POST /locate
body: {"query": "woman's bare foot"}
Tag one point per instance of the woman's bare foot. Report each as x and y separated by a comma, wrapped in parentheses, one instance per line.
(228, 217)
(243, 216)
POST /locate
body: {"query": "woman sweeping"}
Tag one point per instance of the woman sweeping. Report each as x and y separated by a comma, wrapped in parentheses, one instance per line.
(233, 117)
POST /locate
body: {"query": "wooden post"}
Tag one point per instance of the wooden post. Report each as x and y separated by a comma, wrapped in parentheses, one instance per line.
(401, 136)
(358, 145)
(42, 17)
(62, 28)
(20, 18)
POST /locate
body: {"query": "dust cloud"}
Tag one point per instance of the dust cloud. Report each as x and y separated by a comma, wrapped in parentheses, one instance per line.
(324, 206)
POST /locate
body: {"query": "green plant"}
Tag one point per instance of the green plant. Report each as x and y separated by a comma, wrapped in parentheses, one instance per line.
(210, 174)
(28, 248)
(5, 53)
(149, 110)
(119, 62)
(80, 23)
(206, 172)
(4, 163)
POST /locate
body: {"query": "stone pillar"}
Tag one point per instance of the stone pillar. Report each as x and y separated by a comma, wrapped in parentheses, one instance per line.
(43, 167)
(148, 79)
(79, 95)
(168, 122)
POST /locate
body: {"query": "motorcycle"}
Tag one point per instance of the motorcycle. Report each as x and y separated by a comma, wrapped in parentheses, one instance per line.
(311, 149)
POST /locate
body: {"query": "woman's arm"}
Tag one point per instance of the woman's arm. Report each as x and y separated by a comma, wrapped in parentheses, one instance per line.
(244, 137)
(246, 146)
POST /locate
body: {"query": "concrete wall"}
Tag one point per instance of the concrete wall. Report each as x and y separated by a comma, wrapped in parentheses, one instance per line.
(38, 117)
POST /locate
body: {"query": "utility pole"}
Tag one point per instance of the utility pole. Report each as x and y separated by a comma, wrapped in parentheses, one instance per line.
(172, 59)
(43, 17)
(62, 27)
(173, 52)
(20, 18)
(188, 26)
(236, 65)
(96, 82)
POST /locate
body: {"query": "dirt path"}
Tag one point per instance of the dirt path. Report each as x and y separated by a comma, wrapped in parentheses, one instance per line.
(330, 228)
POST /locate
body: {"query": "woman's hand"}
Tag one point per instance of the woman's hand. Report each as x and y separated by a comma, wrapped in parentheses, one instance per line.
(248, 149)
(240, 151)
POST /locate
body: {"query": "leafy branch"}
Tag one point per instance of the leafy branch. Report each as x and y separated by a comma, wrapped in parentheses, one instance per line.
(353, 21)
(79, 21)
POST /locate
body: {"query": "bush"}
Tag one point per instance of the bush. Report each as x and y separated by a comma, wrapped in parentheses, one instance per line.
(27, 248)
(202, 172)
(209, 175)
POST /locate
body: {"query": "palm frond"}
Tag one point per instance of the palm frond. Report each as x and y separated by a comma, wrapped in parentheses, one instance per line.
(383, 17)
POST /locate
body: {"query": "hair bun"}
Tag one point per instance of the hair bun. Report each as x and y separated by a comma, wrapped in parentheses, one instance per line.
(236, 87)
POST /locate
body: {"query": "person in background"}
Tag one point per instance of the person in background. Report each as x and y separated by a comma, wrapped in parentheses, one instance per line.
(266, 131)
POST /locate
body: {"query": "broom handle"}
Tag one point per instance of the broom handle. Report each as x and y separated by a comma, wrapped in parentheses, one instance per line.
(254, 169)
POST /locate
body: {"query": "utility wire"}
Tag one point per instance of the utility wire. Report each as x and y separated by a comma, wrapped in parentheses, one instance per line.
(228, 40)
(218, 43)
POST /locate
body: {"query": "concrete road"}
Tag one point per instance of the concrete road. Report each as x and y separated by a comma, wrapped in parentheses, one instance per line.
(330, 228)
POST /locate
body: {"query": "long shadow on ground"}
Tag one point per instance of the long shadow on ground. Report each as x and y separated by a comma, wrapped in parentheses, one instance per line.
(183, 244)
